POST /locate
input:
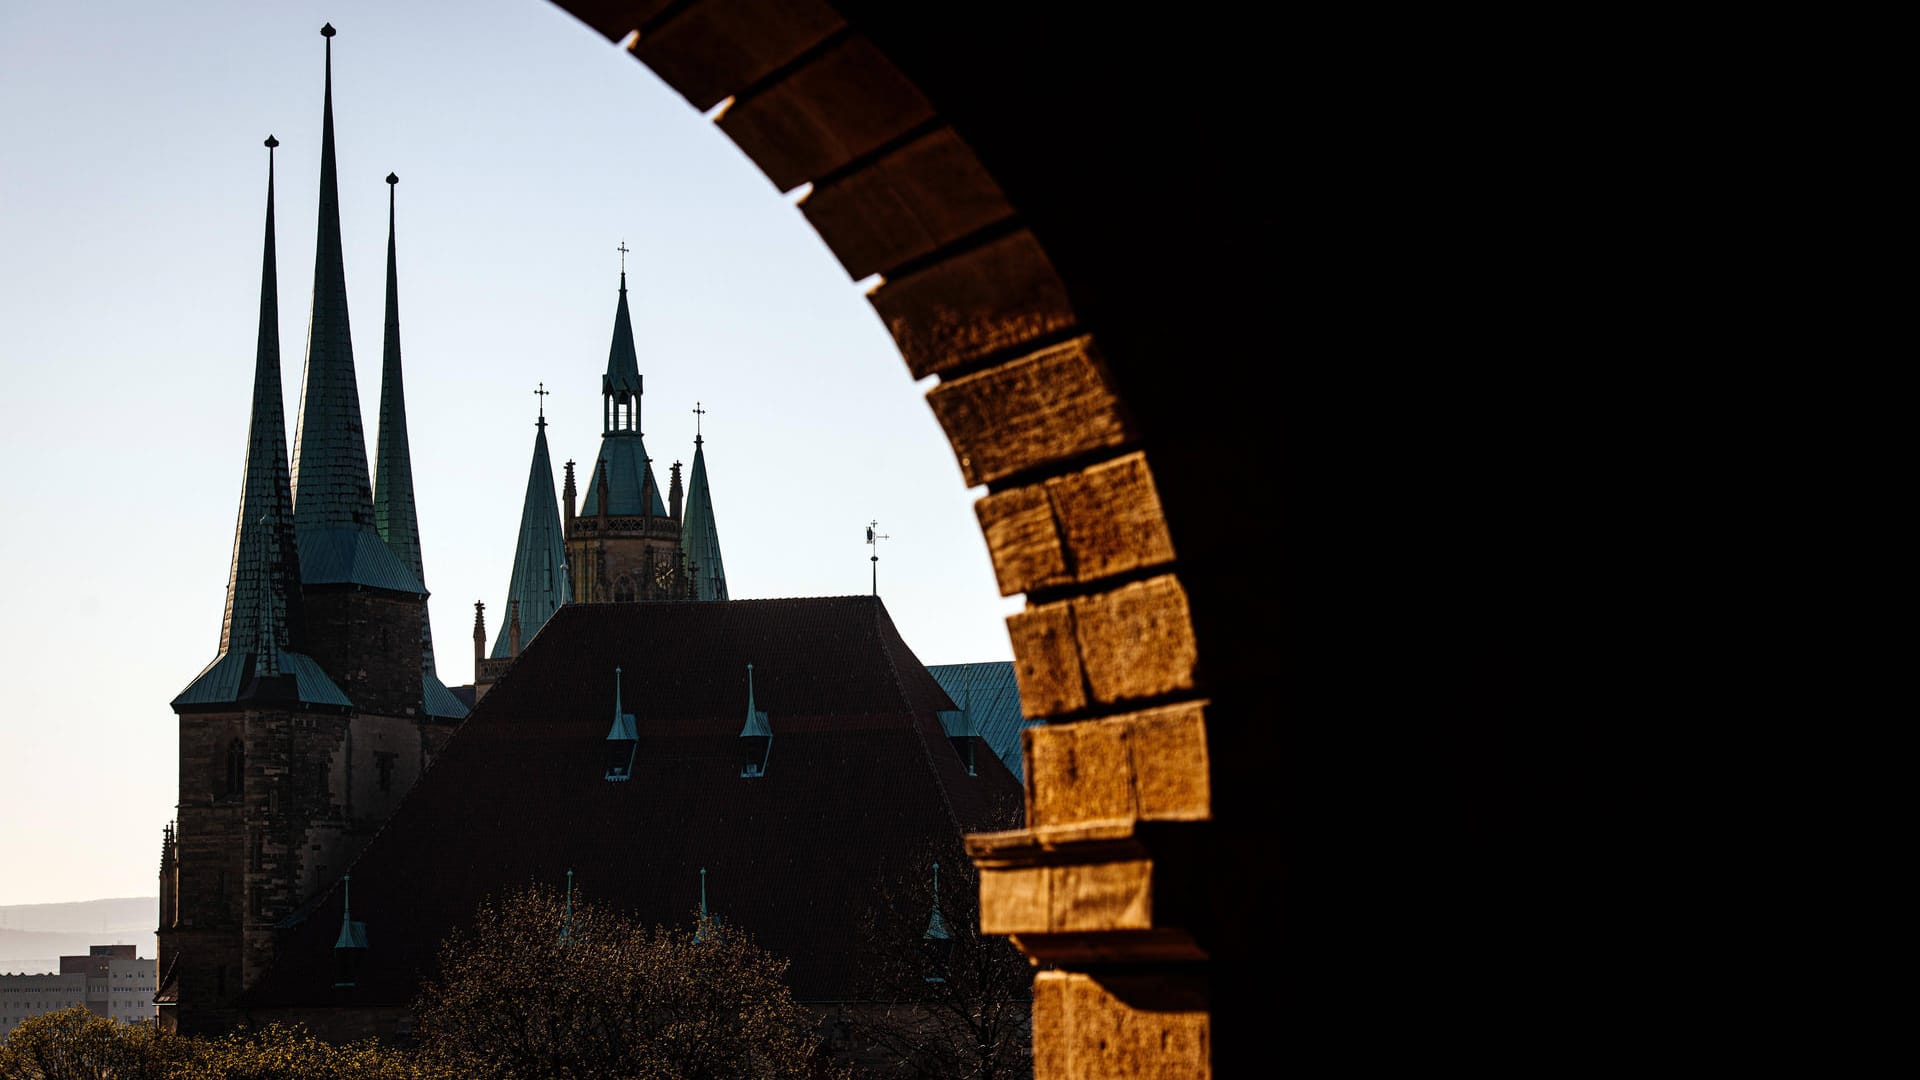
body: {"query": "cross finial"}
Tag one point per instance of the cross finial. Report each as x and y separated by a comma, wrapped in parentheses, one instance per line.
(541, 391)
(873, 541)
(623, 249)
(698, 412)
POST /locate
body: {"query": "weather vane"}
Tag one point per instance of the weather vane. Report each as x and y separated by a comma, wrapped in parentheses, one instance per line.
(873, 541)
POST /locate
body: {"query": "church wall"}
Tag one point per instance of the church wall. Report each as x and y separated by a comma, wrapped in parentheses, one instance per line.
(204, 948)
(368, 642)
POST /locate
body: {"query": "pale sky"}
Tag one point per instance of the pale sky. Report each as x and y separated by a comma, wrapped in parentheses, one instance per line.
(132, 195)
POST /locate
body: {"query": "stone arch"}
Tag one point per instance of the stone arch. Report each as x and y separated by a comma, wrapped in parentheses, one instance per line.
(1049, 394)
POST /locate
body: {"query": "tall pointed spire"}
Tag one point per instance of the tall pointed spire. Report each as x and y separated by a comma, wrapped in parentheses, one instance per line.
(332, 498)
(394, 517)
(539, 581)
(393, 510)
(699, 535)
(631, 488)
(261, 628)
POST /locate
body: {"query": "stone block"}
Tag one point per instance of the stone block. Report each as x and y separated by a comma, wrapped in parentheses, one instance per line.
(1136, 641)
(1080, 772)
(615, 19)
(1099, 521)
(1127, 1026)
(720, 47)
(929, 193)
(1023, 539)
(842, 105)
(1025, 414)
(987, 300)
(1150, 765)
(1046, 661)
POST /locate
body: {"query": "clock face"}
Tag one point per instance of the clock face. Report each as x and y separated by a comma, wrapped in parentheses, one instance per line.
(663, 574)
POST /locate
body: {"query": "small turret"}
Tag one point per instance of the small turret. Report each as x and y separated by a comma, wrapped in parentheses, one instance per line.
(756, 736)
(513, 628)
(674, 493)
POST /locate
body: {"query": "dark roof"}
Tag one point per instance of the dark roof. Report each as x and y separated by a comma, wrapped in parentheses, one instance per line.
(995, 704)
(859, 774)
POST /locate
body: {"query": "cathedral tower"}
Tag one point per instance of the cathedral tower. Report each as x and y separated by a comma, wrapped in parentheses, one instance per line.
(623, 544)
(321, 708)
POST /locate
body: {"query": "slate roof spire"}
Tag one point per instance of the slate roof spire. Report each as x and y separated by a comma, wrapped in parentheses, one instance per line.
(539, 582)
(332, 499)
(394, 517)
(631, 488)
(699, 535)
(260, 633)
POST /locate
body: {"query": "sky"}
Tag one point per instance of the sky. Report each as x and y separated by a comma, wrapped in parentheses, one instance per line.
(132, 197)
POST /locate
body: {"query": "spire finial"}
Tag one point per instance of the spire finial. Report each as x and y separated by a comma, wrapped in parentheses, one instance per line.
(873, 541)
(698, 412)
(541, 391)
(328, 31)
(271, 143)
(623, 249)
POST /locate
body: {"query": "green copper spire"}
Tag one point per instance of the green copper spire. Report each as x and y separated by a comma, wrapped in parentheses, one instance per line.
(699, 536)
(393, 512)
(539, 580)
(332, 500)
(260, 631)
(631, 488)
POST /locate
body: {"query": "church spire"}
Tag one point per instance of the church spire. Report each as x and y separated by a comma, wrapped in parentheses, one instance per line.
(621, 386)
(631, 488)
(539, 582)
(699, 535)
(332, 499)
(261, 628)
(394, 517)
(393, 511)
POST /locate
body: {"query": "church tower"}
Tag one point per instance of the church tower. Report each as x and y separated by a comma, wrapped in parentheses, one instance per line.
(623, 545)
(321, 708)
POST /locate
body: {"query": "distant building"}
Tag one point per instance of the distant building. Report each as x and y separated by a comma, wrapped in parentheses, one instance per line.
(110, 980)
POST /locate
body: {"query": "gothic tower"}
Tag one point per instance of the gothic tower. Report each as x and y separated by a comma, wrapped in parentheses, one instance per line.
(623, 544)
(319, 711)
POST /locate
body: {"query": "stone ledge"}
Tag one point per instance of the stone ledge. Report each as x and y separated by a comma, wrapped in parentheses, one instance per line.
(1102, 891)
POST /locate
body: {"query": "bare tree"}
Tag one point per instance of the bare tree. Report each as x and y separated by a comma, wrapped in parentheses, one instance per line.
(540, 987)
(941, 998)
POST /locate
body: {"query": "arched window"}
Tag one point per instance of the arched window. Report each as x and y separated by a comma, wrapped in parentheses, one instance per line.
(236, 767)
(623, 589)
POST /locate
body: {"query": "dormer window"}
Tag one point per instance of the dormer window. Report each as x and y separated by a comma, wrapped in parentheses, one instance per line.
(623, 739)
(756, 737)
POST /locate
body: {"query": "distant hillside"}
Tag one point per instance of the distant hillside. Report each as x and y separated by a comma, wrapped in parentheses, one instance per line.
(33, 937)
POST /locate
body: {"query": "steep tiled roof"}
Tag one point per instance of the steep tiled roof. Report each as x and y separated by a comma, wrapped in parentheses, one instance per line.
(859, 774)
(700, 537)
(995, 704)
(539, 580)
